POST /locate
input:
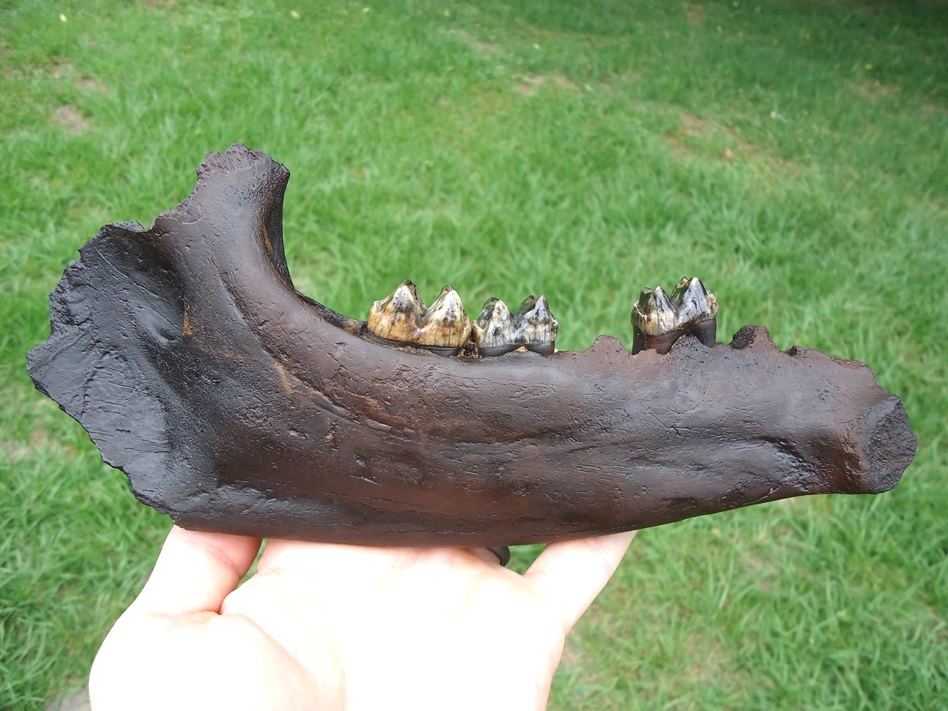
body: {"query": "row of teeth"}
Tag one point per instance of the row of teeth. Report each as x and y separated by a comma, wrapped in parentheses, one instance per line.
(403, 318)
(658, 320)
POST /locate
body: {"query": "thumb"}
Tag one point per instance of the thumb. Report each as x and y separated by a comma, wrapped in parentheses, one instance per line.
(195, 571)
(571, 574)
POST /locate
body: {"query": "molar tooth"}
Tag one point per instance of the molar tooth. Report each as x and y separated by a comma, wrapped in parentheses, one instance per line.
(660, 320)
(494, 328)
(445, 324)
(399, 316)
(535, 327)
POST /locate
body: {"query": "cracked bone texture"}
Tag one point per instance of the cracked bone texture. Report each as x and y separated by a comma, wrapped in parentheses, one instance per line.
(235, 404)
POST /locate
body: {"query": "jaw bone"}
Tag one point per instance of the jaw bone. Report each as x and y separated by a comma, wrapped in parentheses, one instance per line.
(234, 403)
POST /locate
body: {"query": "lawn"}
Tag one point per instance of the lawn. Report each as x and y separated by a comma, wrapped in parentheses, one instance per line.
(791, 153)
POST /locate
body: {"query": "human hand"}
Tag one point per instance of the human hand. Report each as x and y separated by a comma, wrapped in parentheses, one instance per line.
(328, 626)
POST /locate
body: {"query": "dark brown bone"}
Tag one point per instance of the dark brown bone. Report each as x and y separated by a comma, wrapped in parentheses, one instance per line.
(233, 403)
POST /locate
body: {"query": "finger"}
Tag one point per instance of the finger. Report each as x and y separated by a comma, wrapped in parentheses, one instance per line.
(195, 571)
(571, 574)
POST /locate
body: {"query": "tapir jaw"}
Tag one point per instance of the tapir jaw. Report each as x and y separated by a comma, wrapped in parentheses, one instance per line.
(234, 403)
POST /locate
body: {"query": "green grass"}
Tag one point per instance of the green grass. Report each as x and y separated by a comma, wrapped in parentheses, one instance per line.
(790, 152)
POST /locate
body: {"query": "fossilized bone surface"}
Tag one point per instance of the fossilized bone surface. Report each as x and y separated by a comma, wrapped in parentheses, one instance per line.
(233, 403)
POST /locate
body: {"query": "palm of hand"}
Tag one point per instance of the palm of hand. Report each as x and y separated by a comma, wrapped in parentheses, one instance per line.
(323, 626)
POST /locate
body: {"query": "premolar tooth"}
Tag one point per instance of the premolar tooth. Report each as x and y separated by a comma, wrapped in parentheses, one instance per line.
(534, 325)
(399, 316)
(494, 328)
(445, 324)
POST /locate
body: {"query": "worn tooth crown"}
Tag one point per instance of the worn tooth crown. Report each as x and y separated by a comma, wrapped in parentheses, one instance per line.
(399, 316)
(494, 326)
(694, 302)
(654, 314)
(445, 324)
(533, 322)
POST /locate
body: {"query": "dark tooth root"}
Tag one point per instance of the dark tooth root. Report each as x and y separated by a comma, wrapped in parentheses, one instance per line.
(658, 321)
(664, 342)
(705, 331)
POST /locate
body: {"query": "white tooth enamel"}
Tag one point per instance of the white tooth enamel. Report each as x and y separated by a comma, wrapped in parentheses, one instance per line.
(399, 316)
(654, 314)
(445, 324)
(494, 327)
(694, 303)
(533, 322)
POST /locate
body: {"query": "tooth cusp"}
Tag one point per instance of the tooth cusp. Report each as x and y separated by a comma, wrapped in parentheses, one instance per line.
(694, 302)
(494, 329)
(536, 326)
